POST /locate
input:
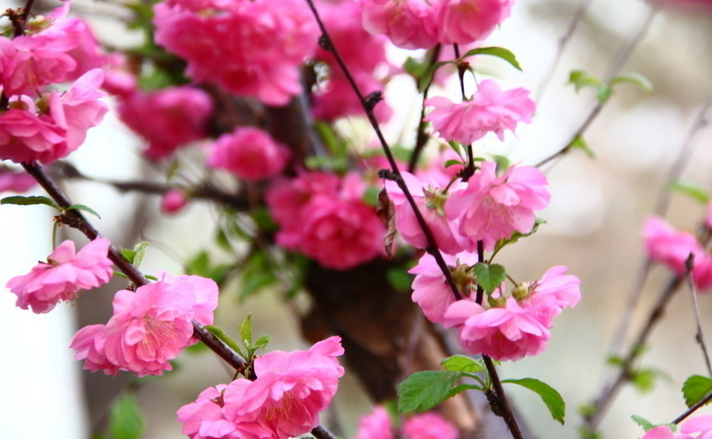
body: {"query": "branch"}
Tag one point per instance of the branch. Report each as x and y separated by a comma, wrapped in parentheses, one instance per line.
(689, 265)
(422, 138)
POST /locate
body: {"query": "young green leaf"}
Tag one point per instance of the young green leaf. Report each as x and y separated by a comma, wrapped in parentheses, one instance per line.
(246, 331)
(139, 253)
(552, 399)
(461, 363)
(427, 76)
(125, 420)
(643, 379)
(499, 52)
(647, 425)
(635, 79)
(489, 276)
(582, 79)
(29, 201)
(579, 143)
(695, 388)
(262, 342)
(220, 334)
(692, 190)
(424, 390)
(84, 208)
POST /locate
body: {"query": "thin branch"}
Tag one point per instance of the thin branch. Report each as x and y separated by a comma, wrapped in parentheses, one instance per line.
(689, 265)
(422, 138)
(507, 414)
(630, 307)
(704, 401)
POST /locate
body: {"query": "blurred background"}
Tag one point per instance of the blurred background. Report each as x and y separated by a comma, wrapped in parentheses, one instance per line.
(593, 227)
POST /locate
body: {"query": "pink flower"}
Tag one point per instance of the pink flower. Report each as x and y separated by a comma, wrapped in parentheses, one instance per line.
(669, 246)
(431, 203)
(119, 79)
(430, 288)
(249, 153)
(337, 99)
(61, 278)
(284, 401)
(376, 425)
(489, 110)
(702, 274)
(82, 108)
(467, 21)
(708, 220)
(26, 136)
(508, 333)
(429, 426)
(167, 118)
(88, 344)
(701, 424)
(173, 201)
(251, 48)
(286, 198)
(663, 432)
(494, 207)
(410, 24)
(15, 181)
(154, 324)
(554, 291)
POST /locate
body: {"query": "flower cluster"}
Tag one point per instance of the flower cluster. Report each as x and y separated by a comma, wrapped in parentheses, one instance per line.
(284, 401)
(701, 424)
(253, 48)
(672, 248)
(324, 217)
(377, 425)
(249, 153)
(41, 125)
(150, 326)
(63, 275)
(414, 24)
(503, 327)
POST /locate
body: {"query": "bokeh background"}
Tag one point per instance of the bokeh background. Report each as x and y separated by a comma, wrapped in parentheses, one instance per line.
(593, 226)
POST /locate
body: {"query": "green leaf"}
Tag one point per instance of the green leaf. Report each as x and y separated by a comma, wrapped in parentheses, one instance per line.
(499, 52)
(219, 333)
(246, 331)
(489, 276)
(635, 79)
(453, 162)
(552, 399)
(615, 360)
(324, 162)
(579, 143)
(414, 67)
(427, 76)
(263, 219)
(84, 208)
(256, 274)
(125, 420)
(424, 390)
(692, 190)
(647, 425)
(139, 253)
(399, 279)
(643, 379)
(29, 201)
(461, 363)
(581, 79)
(370, 196)
(262, 342)
(695, 389)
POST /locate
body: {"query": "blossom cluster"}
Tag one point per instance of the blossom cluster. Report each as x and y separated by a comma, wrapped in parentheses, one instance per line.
(672, 248)
(38, 124)
(284, 401)
(378, 425)
(323, 216)
(702, 425)
(149, 327)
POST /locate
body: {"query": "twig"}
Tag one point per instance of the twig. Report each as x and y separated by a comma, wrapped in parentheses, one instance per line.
(507, 414)
(689, 265)
(422, 138)
(704, 401)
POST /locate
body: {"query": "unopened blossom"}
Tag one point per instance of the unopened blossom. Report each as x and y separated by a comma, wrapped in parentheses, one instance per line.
(63, 275)
(489, 110)
(430, 199)
(284, 401)
(17, 181)
(429, 426)
(467, 21)
(154, 324)
(167, 118)
(431, 290)
(173, 201)
(250, 48)
(249, 153)
(671, 247)
(494, 207)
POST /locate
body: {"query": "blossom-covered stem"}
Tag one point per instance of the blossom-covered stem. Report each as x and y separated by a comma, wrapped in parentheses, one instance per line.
(701, 403)
(689, 264)
(508, 415)
(396, 176)
(613, 69)
(75, 219)
(600, 405)
(422, 138)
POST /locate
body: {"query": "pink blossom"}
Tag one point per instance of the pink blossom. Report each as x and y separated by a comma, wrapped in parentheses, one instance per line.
(17, 181)
(376, 425)
(154, 324)
(702, 274)
(489, 110)
(701, 424)
(82, 108)
(409, 24)
(251, 48)
(508, 333)
(429, 426)
(337, 98)
(63, 275)
(467, 21)
(204, 418)
(119, 79)
(430, 288)
(249, 153)
(88, 344)
(494, 207)
(663, 432)
(286, 198)
(173, 201)
(430, 200)
(26, 136)
(669, 246)
(554, 291)
(167, 118)
(708, 220)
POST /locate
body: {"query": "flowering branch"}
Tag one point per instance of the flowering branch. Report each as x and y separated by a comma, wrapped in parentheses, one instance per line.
(689, 265)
